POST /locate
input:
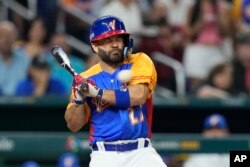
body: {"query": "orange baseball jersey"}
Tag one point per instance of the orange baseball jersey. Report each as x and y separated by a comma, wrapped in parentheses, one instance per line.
(112, 123)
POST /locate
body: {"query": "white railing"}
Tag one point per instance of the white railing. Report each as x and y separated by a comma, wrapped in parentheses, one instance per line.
(178, 69)
(78, 45)
(71, 40)
(84, 17)
(28, 13)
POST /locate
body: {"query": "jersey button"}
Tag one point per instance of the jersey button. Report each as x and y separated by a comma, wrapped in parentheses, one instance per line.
(112, 80)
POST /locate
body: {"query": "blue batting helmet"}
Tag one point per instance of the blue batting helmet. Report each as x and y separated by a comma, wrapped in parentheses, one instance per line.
(107, 26)
(215, 120)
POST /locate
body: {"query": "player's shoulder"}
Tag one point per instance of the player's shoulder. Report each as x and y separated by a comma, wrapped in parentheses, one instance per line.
(140, 56)
(95, 69)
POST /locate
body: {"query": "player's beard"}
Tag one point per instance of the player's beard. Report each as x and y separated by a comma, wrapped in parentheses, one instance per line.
(113, 57)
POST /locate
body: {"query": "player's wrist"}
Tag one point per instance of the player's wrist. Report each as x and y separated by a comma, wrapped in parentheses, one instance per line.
(78, 102)
(100, 93)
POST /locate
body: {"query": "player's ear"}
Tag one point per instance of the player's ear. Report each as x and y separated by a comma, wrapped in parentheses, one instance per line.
(94, 47)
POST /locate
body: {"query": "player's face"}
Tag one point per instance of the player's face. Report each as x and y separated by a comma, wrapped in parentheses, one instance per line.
(110, 50)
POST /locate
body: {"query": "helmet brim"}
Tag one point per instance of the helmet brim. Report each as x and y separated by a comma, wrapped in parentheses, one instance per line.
(109, 34)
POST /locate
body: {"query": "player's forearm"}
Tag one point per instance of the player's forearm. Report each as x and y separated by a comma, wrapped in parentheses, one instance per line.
(109, 96)
(74, 117)
(137, 95)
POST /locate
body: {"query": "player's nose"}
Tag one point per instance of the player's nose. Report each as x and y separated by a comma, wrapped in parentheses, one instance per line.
(114, 43)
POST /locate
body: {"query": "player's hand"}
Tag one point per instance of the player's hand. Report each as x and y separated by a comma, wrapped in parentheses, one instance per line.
(79, 97)
(90, 89)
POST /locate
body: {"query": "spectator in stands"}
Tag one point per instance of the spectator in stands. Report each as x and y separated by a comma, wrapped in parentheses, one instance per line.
(14, 62)
(169, 40)
(241, 64)
(36, 38)
(68, 159)
(39, 83)
(130, 13)
(219, 82)
(125, 9)
(92, 60)
(56, 70)
(73, 25)
(30, 164)
(156, 14)
(177, 11)
(209, 30)
(166, 43)
(214, 126)
(240, 15)
(48, 11)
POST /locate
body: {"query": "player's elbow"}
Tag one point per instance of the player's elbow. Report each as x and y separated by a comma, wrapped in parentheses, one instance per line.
(139, 96)
(140, 99)
(74, 121)
(73, 128)
(74, 125)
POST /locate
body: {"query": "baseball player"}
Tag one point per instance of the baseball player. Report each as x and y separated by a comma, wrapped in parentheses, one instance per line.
(120, 115)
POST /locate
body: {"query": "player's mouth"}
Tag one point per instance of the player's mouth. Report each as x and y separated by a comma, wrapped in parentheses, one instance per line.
(115, 52)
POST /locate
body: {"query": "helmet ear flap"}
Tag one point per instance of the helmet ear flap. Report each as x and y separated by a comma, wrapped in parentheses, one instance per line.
(129, 42)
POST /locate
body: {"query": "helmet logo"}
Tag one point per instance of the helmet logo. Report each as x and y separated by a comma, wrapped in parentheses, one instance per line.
(112, 25)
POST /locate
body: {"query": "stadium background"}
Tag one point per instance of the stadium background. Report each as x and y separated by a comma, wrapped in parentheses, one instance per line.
(34, 128)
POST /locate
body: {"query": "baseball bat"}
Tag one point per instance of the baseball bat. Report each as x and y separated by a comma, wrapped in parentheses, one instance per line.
(62, 58)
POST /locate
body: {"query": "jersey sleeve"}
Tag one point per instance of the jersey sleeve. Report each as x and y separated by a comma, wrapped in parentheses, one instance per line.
(143, 71)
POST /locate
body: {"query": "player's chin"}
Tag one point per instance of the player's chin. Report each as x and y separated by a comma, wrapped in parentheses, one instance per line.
(117, 58)
(115, 55)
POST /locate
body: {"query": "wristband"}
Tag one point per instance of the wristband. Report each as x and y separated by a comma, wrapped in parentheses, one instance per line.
(122, 98)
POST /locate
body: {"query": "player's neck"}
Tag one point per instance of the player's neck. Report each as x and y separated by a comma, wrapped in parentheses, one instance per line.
(108, 68)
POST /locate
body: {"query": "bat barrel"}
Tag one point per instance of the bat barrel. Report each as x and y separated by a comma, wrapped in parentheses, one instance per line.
(62, 58)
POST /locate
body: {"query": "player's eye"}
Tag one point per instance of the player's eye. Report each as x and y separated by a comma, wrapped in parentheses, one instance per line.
(119, 39)
(109, 40)
(105, 41)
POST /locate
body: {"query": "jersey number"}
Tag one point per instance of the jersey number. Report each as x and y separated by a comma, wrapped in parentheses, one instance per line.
(135, 120)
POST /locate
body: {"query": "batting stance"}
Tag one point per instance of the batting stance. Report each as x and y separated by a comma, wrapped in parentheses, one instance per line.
(120, 114)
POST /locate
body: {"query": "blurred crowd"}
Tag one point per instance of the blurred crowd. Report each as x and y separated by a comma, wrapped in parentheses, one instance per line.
(209, 38)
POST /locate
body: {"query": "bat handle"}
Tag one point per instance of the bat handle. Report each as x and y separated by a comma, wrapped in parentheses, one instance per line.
(71, 71)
